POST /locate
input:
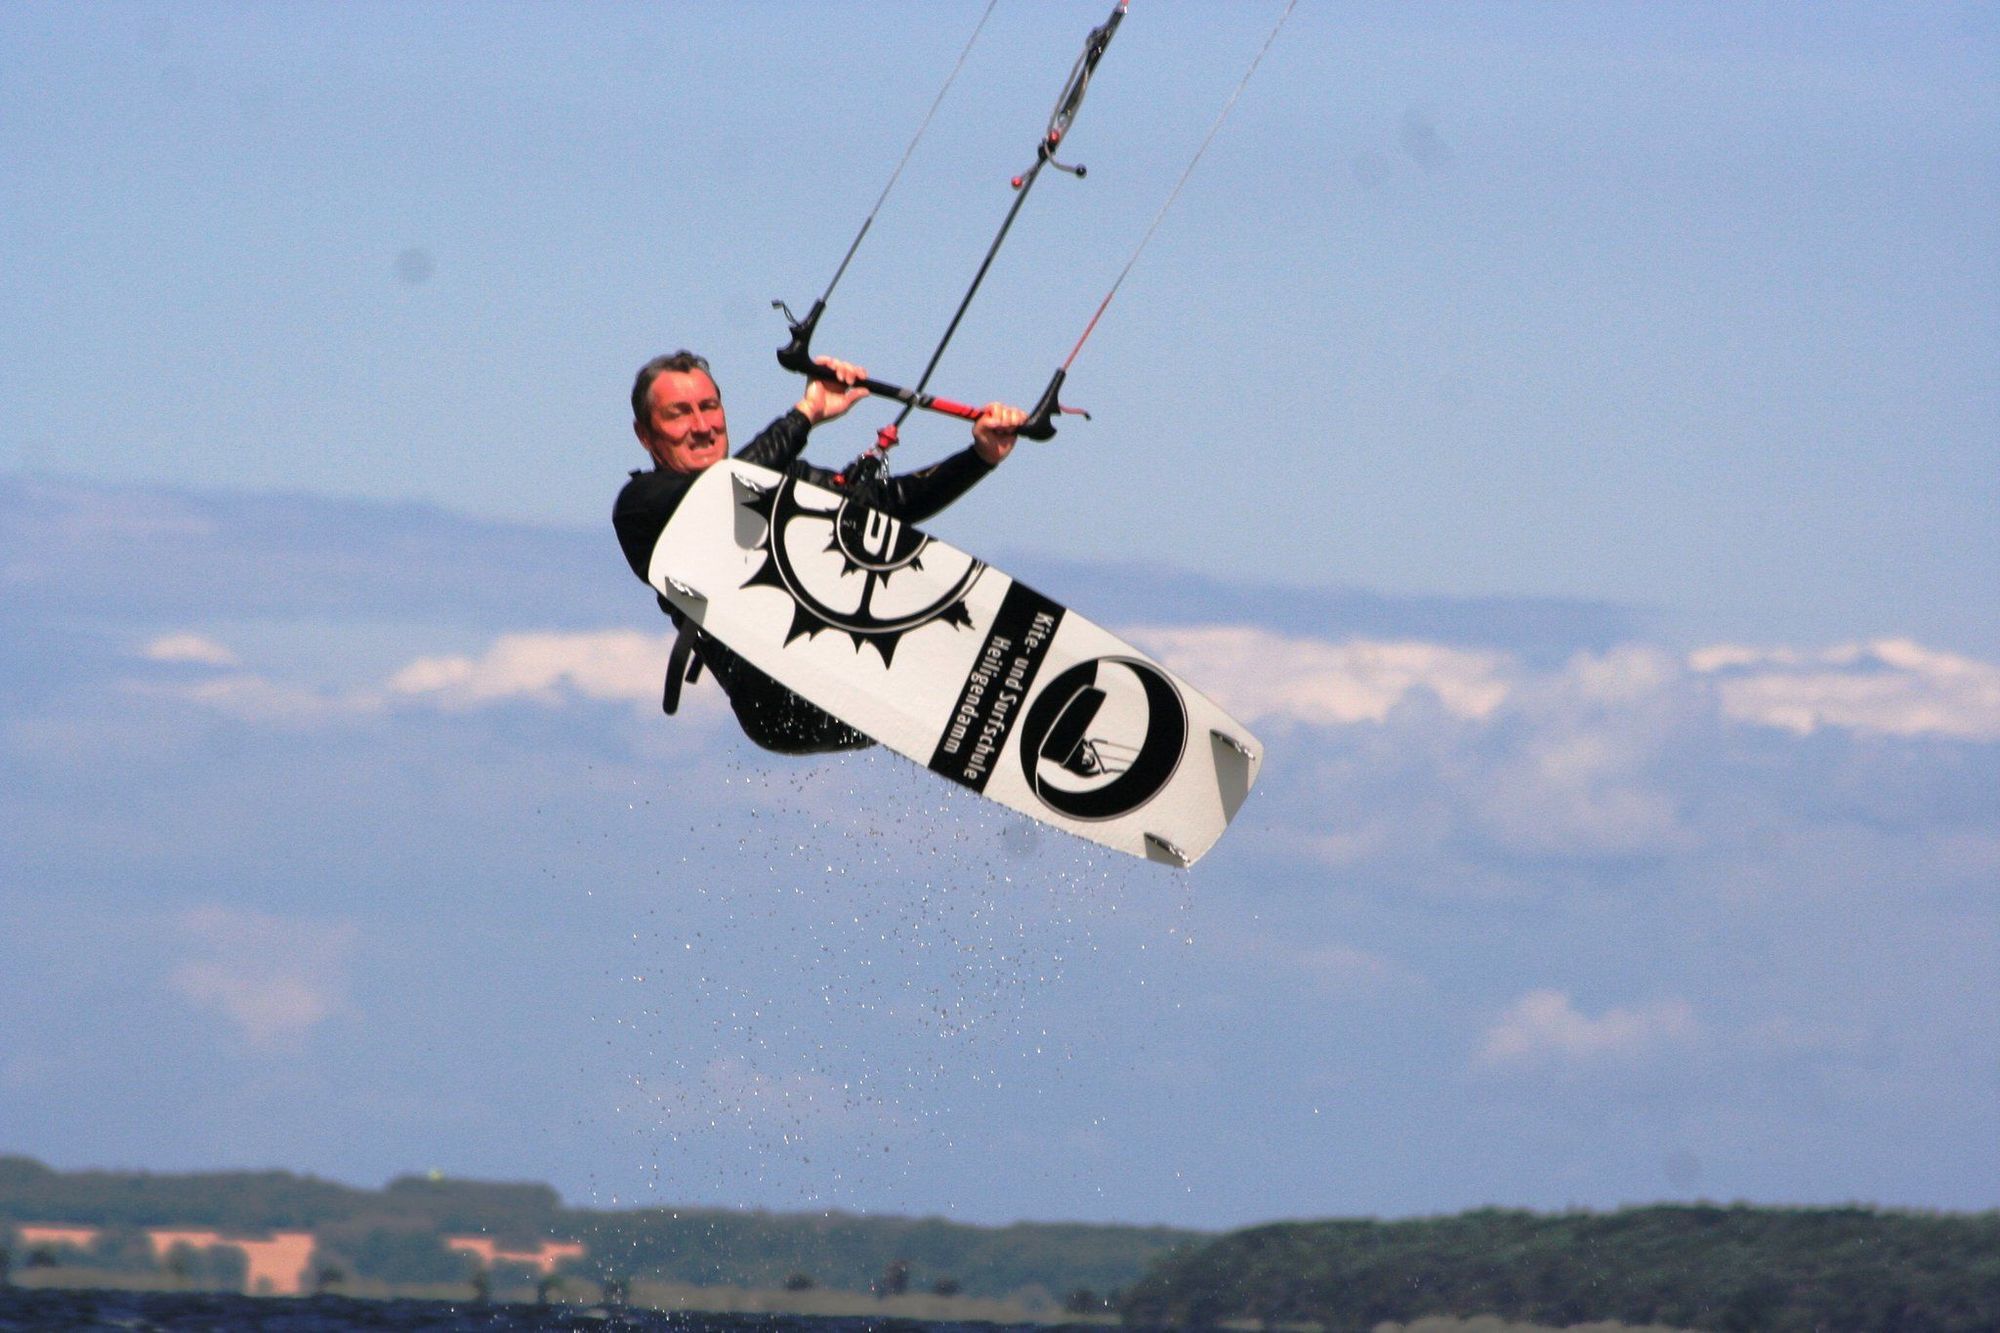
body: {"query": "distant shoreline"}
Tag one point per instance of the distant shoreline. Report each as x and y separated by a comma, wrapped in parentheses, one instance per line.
(658, 1297)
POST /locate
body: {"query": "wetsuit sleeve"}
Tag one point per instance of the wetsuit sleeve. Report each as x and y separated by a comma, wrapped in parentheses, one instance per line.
(915, 496)
(778, 443)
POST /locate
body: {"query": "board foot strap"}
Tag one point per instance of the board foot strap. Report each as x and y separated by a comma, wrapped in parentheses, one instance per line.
(683, 664)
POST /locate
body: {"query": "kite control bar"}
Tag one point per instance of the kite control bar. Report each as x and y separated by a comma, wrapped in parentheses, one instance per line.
(796, 356)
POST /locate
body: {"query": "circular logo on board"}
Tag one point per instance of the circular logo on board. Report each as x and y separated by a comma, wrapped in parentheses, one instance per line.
(1103, 738)
(840, 564)
(873, 541)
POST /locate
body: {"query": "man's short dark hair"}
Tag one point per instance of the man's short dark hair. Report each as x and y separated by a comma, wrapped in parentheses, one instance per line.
(683, 361)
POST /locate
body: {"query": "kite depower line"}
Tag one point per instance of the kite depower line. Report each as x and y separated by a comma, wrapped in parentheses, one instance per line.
(796, 355)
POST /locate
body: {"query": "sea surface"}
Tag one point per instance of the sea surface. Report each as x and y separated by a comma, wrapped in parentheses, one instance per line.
(52, 1311)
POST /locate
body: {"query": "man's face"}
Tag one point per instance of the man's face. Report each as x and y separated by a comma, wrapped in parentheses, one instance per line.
(685, 430)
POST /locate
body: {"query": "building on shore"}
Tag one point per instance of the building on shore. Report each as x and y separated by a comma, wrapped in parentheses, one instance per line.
(35, 1236)
(279, 1264)
(543, 1259)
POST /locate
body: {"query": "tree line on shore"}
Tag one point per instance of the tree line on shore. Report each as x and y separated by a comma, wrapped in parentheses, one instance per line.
(1737, 1269)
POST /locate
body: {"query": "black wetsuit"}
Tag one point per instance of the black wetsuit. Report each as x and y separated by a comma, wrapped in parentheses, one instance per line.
(770, 714)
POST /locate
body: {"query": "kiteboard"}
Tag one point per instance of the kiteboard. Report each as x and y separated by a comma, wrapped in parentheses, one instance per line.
(953, 664)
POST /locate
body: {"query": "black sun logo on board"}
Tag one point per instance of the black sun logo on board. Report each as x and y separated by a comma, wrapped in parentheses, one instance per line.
(853, 569)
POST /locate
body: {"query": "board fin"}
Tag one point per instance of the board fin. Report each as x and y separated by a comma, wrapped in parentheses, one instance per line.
(1235, 767)
(751, 524)
(1167, 853)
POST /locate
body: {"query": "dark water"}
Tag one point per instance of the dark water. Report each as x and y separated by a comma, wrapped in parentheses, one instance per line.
(208, 1312)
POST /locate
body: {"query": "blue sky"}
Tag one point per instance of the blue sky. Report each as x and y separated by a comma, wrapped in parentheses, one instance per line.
(1566, 436)
(1691, 309)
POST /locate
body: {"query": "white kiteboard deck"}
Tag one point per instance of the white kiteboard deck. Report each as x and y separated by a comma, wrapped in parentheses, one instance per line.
(953, 664)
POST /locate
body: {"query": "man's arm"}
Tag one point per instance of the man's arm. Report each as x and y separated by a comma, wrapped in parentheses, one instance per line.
(785, 439)
(778, 443)
(916, 496)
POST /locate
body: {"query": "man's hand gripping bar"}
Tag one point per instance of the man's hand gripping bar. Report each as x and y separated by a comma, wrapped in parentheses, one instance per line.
(796, 356)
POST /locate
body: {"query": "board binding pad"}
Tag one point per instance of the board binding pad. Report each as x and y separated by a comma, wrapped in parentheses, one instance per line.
(949, 662)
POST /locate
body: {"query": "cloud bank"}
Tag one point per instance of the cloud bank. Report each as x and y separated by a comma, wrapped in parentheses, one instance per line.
(198, 649)
(1545, 1025)
(1258, 674)
(273, 979)
(546, 668)
(1887, 687)
(1891, 687)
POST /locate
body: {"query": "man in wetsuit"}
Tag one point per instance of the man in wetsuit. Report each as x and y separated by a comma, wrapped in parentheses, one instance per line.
(677, 415)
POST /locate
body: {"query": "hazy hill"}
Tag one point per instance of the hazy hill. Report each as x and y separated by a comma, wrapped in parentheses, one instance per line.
(1757, 1270)
(69, 551)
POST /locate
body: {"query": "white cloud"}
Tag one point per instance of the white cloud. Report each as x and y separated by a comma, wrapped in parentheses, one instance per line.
(194, 648)
(1579, 772)
(1579, 732)
(1606, 756)
(547, 668)
(1576, 794)
(274, 979)
(1890, 687)
(1887, 686)
(267, 1009)
(1625, 676)
(1257, 674)
(253, 698)
(1544, 1025)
